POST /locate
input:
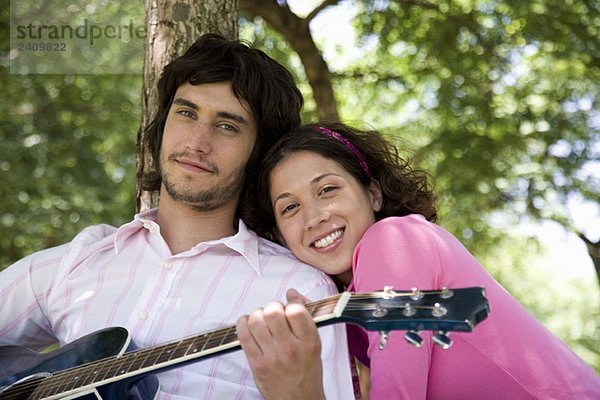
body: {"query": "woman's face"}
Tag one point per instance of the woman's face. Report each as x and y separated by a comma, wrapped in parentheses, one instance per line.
(321, 211)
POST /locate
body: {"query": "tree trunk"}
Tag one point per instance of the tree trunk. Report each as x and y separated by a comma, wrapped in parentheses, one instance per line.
(171, 27)
(297, 32)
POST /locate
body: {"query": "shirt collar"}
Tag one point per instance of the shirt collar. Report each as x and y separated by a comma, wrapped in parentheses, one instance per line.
(244, 242)
(145, 219)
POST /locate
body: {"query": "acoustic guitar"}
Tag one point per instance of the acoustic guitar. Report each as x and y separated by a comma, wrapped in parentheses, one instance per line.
(106, 364)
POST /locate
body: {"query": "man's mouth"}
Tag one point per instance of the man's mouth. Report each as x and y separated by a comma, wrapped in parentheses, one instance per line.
(194, 165)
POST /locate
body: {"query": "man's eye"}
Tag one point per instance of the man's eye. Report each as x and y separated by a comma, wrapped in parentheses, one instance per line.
(229, 127)
(186, 113)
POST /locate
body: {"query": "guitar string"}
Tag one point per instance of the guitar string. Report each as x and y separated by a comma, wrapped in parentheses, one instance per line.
(56, 380)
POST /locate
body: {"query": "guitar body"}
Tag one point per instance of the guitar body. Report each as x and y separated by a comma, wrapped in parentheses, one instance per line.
(23, 370)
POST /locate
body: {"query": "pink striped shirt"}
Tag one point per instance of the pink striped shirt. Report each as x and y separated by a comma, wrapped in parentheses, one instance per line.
(128, 277)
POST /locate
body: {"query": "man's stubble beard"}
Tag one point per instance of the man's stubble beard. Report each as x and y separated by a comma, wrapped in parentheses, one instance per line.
(210, 199)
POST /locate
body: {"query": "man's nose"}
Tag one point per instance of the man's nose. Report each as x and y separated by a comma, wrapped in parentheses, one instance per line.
(200, 138)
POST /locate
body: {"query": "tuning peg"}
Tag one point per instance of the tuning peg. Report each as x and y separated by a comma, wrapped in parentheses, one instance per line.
(446, 293)
(441, 339)
(388, 292)
(409, 310)
(383, 339)
(379, 311)
(439, 310)
(413, 338)
(416, 294)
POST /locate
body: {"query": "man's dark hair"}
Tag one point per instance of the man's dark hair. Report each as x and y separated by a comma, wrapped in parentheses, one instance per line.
(263, 83)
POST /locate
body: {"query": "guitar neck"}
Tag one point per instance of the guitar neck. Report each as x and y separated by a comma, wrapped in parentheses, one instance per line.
(166, 356)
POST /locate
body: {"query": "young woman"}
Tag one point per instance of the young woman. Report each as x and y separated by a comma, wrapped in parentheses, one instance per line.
(344, 201)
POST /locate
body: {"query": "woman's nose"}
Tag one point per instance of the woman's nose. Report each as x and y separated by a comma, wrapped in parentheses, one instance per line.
(315, 215)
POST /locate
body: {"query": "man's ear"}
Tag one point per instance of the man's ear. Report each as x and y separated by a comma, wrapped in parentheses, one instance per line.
(375, 195)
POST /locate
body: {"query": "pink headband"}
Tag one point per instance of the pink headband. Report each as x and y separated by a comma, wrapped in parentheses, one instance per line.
(359, 156)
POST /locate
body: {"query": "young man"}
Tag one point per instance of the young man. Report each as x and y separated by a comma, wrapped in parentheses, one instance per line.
(190, 265)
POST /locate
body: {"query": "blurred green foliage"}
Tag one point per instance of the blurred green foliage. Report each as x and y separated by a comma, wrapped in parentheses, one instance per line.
(67, 159)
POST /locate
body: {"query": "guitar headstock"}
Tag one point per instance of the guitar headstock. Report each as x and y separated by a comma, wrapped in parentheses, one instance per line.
(442, 311)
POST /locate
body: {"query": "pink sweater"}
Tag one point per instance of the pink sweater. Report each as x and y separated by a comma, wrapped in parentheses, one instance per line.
(508, 356)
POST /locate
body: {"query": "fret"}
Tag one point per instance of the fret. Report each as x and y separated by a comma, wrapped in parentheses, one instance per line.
(128, 361)
(87, 374)
(41, 391)
(104, 370)
(153, 355)
(181, 349)
(166, 354)
(205, 338)
(118, 367)
(97, 373)
(198, 344)
(214, 339)
(48, 387)
(229, 336)
(69, 380)
(140, 360)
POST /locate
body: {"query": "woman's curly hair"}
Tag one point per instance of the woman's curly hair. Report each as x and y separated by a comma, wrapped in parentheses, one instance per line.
(405, 190)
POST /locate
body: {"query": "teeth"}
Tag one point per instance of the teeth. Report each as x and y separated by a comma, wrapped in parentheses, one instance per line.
(327, 240)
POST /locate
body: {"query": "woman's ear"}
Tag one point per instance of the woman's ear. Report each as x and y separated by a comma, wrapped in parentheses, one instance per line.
(280, 238)
(375, 195)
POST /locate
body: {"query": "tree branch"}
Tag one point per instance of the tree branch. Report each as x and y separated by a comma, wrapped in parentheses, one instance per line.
(319, 8)
(297, 33)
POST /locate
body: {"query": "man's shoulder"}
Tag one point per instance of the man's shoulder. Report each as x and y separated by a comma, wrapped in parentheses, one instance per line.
(95, 233)
(269, 248)
(83, 242)
(283, 256)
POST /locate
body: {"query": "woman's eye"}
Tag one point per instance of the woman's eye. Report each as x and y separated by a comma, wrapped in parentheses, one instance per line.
(289, 208)
(327, 189)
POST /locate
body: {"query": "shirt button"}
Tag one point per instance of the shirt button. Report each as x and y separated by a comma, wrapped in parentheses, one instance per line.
(167, 264)
(143, 315)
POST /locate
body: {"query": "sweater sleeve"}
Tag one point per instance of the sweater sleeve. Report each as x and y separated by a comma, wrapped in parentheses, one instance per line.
(402, 253)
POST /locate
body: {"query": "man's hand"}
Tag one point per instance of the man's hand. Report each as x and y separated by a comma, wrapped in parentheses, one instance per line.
(284, 350)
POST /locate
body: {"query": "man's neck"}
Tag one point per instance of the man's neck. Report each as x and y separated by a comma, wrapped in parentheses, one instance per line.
(182, 227)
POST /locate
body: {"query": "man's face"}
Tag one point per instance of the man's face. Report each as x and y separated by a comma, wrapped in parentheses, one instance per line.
(208, 138)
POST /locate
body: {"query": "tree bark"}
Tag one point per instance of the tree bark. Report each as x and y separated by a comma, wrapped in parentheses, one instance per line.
(297, 32)
(171, 27)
